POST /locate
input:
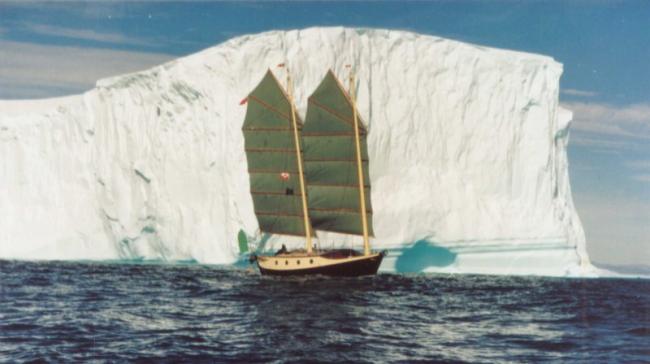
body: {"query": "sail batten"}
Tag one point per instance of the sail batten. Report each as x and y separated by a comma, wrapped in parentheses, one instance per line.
(330, 161)
(271, 153)
(269, 107)
(332, 112)
(265, 150)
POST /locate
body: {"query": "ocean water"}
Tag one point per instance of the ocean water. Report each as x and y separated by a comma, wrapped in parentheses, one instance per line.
(63, 312)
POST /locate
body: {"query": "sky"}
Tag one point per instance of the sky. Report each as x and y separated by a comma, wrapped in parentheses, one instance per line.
(52, 49)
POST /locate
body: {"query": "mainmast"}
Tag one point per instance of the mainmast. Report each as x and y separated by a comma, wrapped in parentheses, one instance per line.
(305, 213)
(362, 198)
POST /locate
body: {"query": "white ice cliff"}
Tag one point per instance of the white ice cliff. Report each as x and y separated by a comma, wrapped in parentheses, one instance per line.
(467, 149)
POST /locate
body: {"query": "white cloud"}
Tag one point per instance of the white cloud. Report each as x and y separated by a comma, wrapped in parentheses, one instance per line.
(616, 226)
(640, 171)
(629, 121)
(55, 70)
(642, 178)
(609, 126)
(87, 10)
(83, 34)
(612, 208)
(601, 144)
(643, 165)
(575, 92)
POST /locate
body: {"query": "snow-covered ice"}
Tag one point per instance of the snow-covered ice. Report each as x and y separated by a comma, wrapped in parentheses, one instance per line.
(467, 149)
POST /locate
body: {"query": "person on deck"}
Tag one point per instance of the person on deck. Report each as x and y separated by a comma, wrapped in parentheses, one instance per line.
(282, 250)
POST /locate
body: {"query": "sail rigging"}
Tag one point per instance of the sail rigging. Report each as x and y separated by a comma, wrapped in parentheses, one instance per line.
(274, 160)
(330, 159)
(334, 173)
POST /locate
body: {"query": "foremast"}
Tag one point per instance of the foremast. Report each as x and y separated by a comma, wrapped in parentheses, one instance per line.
(301, 176)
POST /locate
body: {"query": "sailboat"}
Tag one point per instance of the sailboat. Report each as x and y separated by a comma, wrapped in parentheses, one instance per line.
(329, 190)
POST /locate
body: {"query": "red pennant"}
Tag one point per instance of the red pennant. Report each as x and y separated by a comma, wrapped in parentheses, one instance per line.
(281, 65)
(243, 101)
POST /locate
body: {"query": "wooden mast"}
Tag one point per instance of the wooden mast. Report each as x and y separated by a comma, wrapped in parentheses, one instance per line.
(362, 197)
(305, 213)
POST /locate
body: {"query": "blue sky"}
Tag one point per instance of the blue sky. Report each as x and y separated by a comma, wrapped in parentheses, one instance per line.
(58, 48)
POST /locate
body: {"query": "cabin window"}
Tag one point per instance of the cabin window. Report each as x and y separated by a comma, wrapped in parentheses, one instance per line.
(311, 261)
(298, 262)
(288, 191)
(286, 262)
(276, 262)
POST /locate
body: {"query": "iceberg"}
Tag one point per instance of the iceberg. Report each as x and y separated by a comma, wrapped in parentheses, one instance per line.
(467, 148)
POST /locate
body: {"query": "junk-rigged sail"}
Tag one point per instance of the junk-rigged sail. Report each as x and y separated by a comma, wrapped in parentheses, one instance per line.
(330, 158)
(336, 162)
(273, 160)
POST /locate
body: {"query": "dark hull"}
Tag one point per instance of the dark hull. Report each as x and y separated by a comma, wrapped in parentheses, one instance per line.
(362, 267)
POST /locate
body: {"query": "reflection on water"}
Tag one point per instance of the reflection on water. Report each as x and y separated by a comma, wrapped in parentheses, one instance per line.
(72, 311)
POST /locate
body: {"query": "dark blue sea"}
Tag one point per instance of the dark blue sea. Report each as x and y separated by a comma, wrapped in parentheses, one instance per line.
(70, 312)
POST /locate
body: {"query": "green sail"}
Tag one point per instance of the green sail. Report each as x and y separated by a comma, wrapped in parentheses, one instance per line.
(330, 161)
(272, 162)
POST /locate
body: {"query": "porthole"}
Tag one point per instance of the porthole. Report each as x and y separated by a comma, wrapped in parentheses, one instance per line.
(286, 262)
(298, 262)
(311, 261)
